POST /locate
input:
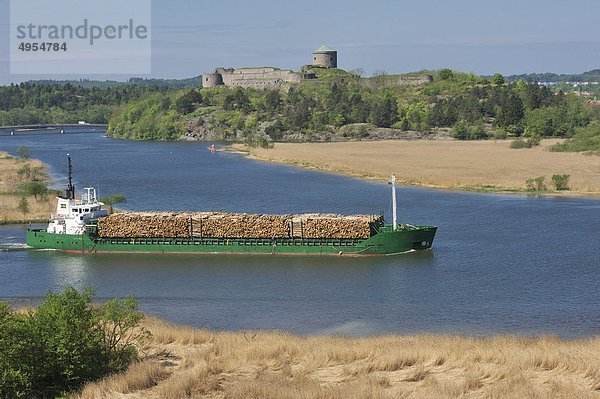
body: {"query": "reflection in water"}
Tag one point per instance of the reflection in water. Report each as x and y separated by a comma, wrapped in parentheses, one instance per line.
(68, 270)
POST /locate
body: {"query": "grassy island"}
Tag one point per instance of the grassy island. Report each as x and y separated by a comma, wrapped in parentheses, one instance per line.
(489, 166)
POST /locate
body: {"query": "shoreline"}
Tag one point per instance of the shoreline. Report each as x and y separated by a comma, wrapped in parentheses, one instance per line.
(298, 155)
(179, 361)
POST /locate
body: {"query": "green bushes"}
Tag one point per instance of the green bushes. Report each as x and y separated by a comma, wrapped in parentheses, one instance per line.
(536, 184)
(584, 139)
(463, 130)
(561, 182)
(521, 143)
(65, 343)
(153, 118)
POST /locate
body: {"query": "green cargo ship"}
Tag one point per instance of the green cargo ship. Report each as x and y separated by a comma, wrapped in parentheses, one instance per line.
(74, 228)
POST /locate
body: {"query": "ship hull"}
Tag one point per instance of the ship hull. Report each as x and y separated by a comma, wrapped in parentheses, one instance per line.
(386, 242)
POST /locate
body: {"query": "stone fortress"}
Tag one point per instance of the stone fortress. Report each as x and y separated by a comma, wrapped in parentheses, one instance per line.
(270, 77)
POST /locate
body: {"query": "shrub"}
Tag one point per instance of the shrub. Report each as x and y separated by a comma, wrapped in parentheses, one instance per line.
(23, 152)
(585, 139)
(23, 205)
(446, 74)
(65, 343)
(561, 182)
(529, 143)
(499, 134)
(463, 130)
(536, 184)
(520, 143)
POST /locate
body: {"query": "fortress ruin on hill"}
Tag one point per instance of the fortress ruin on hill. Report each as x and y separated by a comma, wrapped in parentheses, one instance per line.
(270, 77)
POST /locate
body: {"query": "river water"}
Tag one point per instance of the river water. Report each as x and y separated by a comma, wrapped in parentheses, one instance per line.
(500, 263)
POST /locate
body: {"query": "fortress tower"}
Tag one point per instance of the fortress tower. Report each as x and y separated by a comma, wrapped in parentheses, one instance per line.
(325, 57)
(212, 79)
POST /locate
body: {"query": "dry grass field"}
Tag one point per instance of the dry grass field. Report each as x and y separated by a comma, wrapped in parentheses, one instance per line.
(181, 362)
(39, 210)
(442, 164)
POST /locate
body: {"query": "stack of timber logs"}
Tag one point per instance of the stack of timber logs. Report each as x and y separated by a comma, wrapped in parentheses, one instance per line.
(144, 224)
(235, 225)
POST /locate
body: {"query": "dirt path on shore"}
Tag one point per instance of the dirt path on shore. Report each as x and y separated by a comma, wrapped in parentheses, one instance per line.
(477, 165)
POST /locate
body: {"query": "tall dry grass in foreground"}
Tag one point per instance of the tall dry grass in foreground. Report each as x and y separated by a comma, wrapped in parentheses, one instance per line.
(444, 164)
(10, 195)
(190, 363)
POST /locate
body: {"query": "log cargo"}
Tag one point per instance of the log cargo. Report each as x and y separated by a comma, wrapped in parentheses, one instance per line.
(236, 225)
(82, 226)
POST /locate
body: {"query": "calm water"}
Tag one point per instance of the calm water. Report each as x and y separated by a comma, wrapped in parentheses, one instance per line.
(499, 264)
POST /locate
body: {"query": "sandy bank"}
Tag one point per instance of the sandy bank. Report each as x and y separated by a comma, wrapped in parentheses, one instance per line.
(471, 165)
(183, 362)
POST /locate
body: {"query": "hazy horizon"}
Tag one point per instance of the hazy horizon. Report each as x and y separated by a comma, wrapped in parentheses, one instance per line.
(190, 38)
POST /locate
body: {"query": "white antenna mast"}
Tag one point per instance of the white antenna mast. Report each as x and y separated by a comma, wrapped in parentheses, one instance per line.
(394, 214)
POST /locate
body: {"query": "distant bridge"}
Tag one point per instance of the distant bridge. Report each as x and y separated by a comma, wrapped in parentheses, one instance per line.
(48, 126)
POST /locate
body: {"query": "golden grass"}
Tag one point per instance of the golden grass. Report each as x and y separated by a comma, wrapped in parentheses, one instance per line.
(10, 180)
(443, 164)
(190, 363)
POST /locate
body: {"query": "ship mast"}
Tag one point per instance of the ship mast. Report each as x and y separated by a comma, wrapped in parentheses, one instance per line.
(70, 191)
(394, 215)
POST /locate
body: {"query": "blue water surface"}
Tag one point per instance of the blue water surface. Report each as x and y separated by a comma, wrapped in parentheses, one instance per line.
(500, 263)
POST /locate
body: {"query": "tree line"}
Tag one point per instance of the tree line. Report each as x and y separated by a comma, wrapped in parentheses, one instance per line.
(474, 107)
(33, 103)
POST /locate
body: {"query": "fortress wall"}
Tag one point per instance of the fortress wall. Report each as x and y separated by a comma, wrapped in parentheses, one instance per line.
(260, 77)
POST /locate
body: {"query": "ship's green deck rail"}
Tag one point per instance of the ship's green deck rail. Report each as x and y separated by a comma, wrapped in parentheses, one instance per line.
(346, 242)
(402, 227)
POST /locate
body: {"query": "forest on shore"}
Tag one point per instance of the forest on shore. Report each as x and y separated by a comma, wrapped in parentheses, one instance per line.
(337, 106)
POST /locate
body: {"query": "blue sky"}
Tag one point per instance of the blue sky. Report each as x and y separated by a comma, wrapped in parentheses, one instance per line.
(190, 37)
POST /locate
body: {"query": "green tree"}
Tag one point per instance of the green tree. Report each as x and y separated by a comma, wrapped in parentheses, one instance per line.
(23, 152)
(539, 123)
(23, 205)
(119, 319)
(65, 343)
(383, 113)
(185, 103)
(498, 79)
(35, 188)
(561, 182)
(273, 101)
(446, 74)
(113, 199)
(510, 111)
